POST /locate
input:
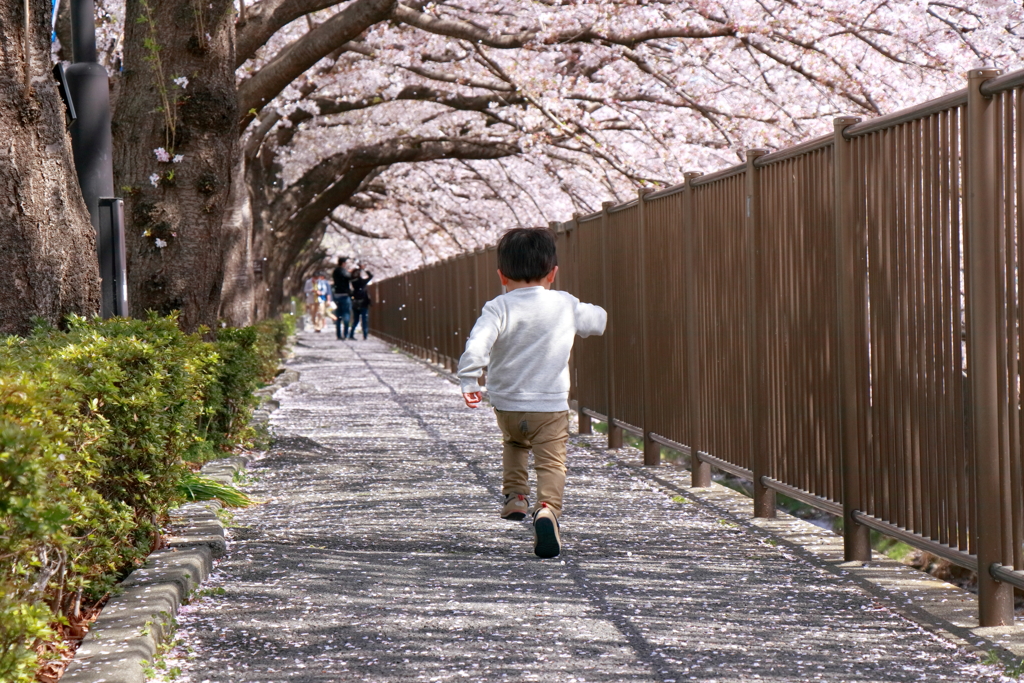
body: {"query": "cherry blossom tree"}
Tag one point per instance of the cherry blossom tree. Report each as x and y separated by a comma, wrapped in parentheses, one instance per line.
(405, 131)
(599, 98)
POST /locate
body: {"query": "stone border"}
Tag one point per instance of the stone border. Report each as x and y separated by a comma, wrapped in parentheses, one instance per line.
(141, 613)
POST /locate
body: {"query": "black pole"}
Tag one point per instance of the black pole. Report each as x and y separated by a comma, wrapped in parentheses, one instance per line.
(92, 145)
(83, 30)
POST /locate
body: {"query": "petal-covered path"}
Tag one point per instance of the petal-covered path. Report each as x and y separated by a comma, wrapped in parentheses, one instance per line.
(378, 555)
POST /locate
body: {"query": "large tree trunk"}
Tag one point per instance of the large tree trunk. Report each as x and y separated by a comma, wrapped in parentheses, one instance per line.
(48, 264)
(283, 255)
(237, 305)
(188, 241)
(261, 170)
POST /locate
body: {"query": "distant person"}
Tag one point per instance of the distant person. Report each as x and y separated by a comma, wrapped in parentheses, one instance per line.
(523, 339)
(322, 291)
(310, 297)
(361, 301)
(342, 277)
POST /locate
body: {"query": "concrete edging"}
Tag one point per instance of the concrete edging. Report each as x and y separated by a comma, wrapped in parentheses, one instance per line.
(140, 616)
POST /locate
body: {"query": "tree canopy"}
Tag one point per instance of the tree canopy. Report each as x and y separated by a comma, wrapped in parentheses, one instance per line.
(407, 131)
(579, 101)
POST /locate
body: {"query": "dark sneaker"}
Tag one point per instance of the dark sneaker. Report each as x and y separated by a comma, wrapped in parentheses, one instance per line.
(517, 506)
(546, 540)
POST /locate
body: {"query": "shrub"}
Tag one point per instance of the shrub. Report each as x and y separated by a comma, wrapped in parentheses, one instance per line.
(248, 358)
(97, 426)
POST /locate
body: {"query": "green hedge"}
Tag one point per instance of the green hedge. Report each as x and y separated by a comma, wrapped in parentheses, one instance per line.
(99, 426)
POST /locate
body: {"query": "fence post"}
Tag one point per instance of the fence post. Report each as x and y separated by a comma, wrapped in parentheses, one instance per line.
(851, 330)
(445, 303)
(984, 265)
(700, 472)
(440, 294)
(652, 449)
(614, 431)
(455, 294)
(585, 426)
(764, 497)
(459, 296)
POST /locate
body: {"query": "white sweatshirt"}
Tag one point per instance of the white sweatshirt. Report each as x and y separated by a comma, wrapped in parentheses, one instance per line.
(523, 339)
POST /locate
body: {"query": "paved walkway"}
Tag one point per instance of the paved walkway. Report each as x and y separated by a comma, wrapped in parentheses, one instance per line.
(379, 556)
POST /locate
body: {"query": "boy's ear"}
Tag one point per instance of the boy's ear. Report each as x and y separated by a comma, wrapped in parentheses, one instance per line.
(551, 276)
(504, 280)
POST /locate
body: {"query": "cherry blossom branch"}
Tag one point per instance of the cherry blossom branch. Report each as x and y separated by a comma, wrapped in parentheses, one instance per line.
(484, 104)
(823, 81)
(334, 180)
(445, 77)
(454, 28)
(581, 135)
(500, 196)
(291, 62)
(439, 226)
(411, 238)
(353, 228)
(265, 18)
(688, 101)
(464, 30)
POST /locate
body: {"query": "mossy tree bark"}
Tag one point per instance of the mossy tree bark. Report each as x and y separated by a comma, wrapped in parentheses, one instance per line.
(48, 264)
(189, 244)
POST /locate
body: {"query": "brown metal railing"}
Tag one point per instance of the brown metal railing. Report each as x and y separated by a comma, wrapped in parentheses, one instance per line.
(839, 321)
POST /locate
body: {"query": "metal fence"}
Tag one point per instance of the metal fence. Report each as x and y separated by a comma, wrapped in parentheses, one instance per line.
(839, 321)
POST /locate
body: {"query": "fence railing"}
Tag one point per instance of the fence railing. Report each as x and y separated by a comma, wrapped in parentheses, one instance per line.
(839, 321)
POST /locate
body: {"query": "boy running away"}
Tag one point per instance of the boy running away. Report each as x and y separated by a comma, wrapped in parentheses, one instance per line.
(523, 339)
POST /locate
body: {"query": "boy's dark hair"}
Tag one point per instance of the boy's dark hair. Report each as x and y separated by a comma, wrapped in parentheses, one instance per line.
(527, 254)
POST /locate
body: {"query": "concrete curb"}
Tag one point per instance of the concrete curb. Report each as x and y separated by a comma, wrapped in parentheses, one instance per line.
(937, 606)
(141, 613)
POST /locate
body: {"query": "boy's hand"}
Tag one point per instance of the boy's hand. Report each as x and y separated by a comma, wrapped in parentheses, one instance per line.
(472, 399)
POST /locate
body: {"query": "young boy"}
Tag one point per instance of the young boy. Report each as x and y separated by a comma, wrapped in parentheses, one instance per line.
(523, 339)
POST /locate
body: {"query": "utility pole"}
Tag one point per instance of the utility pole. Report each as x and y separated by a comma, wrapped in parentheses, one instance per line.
(92, 145)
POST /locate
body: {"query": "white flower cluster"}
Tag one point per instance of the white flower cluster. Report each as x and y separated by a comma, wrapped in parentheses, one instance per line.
(600, 98)
(600, 117)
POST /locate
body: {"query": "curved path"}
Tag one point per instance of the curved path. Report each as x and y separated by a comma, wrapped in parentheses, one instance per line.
(379, 556)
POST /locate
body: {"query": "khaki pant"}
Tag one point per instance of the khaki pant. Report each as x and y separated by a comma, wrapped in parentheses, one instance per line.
(545, 434)
(316, 314)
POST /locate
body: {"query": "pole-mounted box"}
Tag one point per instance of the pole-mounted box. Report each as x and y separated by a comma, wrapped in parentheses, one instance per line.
(113, 265)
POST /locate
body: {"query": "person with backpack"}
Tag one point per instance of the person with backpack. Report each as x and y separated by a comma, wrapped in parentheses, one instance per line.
(361, 301)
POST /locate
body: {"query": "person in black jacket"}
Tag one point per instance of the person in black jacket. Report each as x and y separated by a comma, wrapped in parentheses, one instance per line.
(342, 297)
(360, 300)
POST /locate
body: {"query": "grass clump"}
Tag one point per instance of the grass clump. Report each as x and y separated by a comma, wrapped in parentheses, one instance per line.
(195, 487)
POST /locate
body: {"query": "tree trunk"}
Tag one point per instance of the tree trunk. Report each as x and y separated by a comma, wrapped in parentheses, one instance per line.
(188, 230)
(48, 264)
(276, 246)
(286, 250)
(261, 170)
(238, 299)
